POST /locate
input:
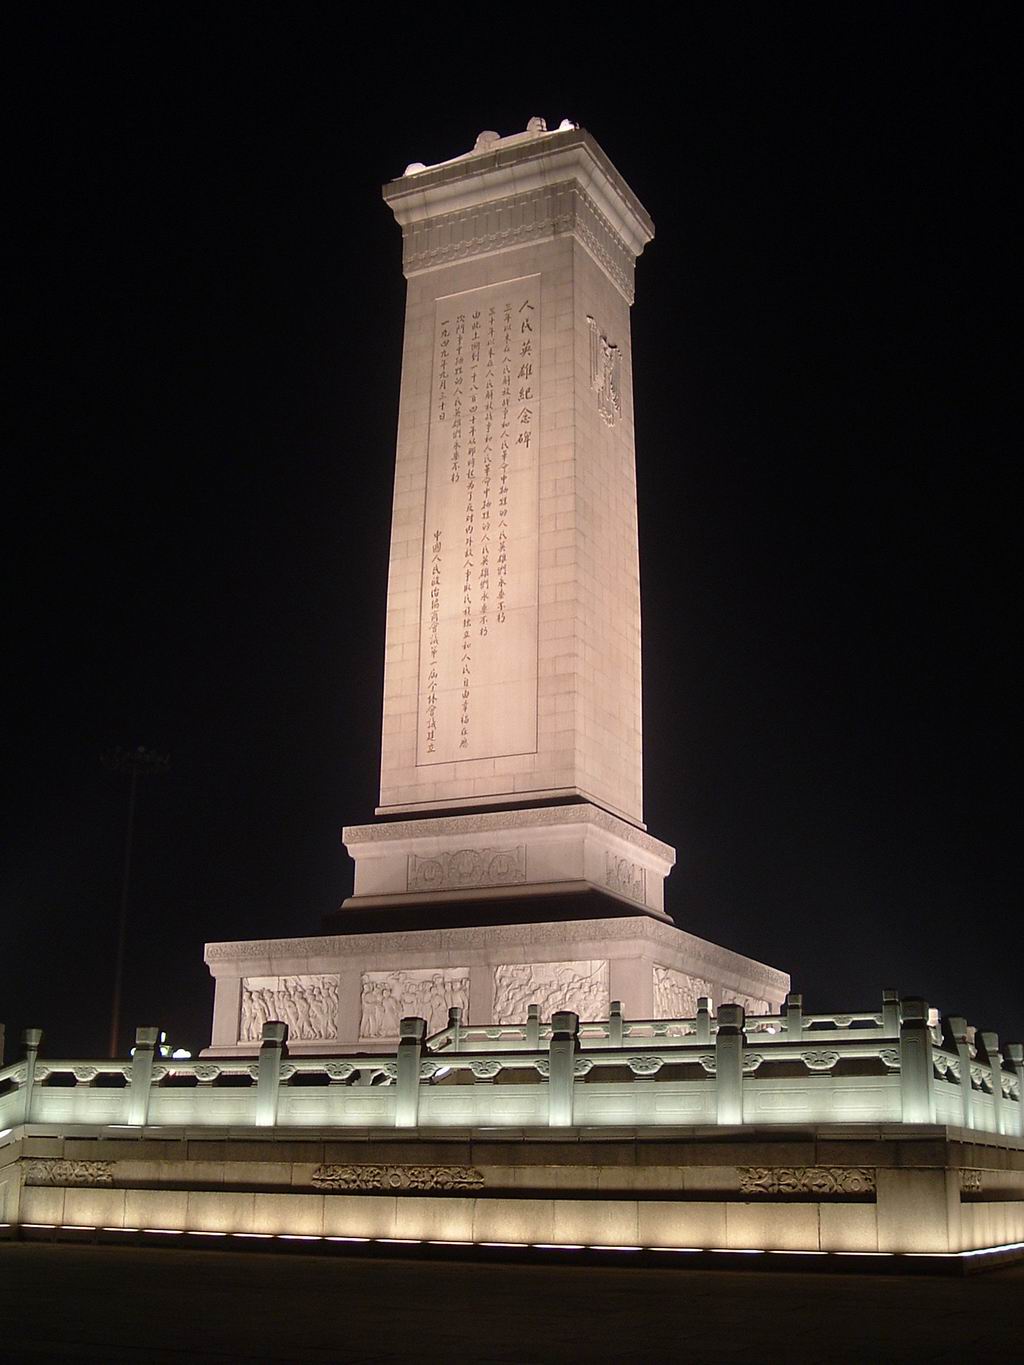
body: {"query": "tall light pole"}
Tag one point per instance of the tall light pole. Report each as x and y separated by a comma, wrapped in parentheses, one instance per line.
(135, 762)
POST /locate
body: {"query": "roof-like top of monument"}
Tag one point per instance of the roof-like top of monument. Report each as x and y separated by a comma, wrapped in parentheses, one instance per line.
(500, 166)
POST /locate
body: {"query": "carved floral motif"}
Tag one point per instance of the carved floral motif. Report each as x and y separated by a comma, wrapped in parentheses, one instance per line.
(578, 986)
(970, 1182)
(468, 867)
(423, 993)
(63, 1171)
(807, 1179)
(307, 1004)
(353, 1177)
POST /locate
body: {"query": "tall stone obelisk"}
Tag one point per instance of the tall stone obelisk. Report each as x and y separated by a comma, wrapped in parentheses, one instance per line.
(508, 868)
(512, 684)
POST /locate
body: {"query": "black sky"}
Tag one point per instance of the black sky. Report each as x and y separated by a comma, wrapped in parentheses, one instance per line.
(204, 304)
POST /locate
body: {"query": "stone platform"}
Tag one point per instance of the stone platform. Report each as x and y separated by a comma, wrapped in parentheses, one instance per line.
(893, 1190)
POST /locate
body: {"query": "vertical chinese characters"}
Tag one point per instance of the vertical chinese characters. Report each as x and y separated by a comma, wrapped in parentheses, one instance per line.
(477, 651)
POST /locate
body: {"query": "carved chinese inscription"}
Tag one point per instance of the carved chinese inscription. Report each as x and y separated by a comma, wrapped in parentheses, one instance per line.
(478, 605)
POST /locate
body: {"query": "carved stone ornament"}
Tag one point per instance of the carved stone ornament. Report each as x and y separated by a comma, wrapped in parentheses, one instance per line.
(85, 1074)
(676, 994)
(206, 1071)
(709, 1062)
(543, 1066)
(41, 1073)
(751, 1061)
(807, 1179)
(979, 1076)
(61, 1171)
(644, 1066)
(422, 993)
(970, 1182)
(520, 218)
(390, 1069)
(339, 1071)
(819, 1061)
(582, 1066)
(605, 374)
(468, 867)
(332, 1177)
(578, 986)
(308, 1004)
(625, 877)
(890, 1057)
(485, 1069)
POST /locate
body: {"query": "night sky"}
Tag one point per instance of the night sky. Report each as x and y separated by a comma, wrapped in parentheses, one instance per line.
(205, 307)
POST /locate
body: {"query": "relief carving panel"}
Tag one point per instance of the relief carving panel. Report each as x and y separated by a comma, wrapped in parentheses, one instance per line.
(466, 867)
(424, 993)
(307, 1004)
(578, 986)
(676, 994)
(625, 877)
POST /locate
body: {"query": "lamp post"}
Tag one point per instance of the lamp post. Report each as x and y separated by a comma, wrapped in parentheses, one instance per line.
(135, 762)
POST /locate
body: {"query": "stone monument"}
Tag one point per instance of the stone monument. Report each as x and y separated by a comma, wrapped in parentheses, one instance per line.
(509, 863)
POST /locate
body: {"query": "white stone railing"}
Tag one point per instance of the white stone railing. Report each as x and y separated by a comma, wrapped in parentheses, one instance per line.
(895, 1065)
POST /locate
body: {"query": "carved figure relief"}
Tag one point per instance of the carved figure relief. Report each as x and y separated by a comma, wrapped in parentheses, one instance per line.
(307, 1004)
(330, 1177)
(625, 877)
(605, 374)
(425, 993)
(58, 1171)
(578, 986)
(676, 994)
(807, 1180)
(468, 867)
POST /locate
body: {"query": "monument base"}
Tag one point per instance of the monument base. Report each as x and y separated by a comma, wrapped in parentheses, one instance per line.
(351, 990)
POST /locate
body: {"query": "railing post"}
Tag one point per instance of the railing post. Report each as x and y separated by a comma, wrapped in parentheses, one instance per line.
(916, 1070)
(729, 1044)
(141, 1081)
(704, 1020)
(793, 1013)
(268, 1071)
(990, 1042)
(565, 1028)
(410, 1046)
(455, 1024)
(31, 1039)
(615, 1024)
(1015, 1052)
(891, 1013)
(956, 1027)
(533, 1027)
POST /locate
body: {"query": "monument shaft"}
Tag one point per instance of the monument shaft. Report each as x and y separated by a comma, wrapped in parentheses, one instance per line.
(513, 638)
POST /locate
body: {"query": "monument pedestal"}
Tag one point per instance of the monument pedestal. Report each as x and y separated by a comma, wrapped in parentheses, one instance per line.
(497, 854)
(350, 991)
